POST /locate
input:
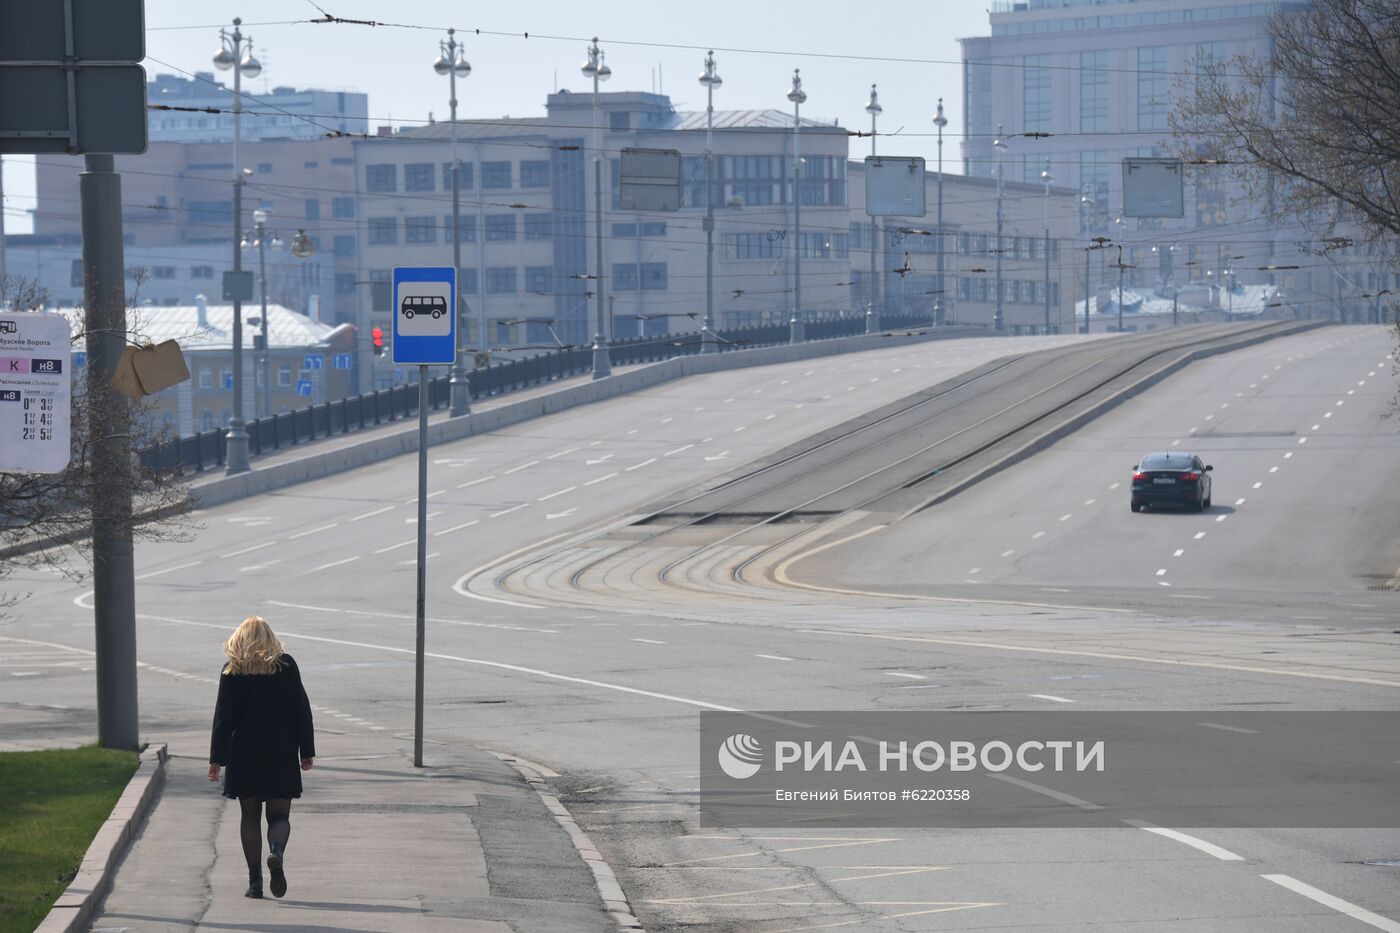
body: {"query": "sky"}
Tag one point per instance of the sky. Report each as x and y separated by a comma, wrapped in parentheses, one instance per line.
(909, 49)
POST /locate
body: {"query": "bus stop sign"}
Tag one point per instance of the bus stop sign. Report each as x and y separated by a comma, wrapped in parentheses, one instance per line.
(425, 318)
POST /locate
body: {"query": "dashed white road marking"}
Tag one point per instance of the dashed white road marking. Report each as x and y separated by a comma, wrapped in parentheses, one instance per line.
(1008, 552)
(248, 550)
(1257, 485)
(1288, 456)
(1067, 516)
(387, 508)
(446, 531)
(1161, 571)
(394, 547)
(638, 466)
(1336, 903)
(1225, 855)
(1199, 535)
(906, 676)
(1237, 502)
(554, 494)
(1115, 486)
(1089, 501)
(1038, 534)
(561, 453)
(523, 466)
(334, 563)
(774, 657)
(1224, 728)
(414, 519)
(481, 479)
(1273, 469)
(303, 534)
(1221, 518)
(514, 508)
(649, 641)
(601, 479)
(677, 450)
(1048, 696)
(1178, 552)
(156, 573)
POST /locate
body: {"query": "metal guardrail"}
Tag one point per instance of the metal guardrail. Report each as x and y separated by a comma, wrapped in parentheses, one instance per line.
(198, 452)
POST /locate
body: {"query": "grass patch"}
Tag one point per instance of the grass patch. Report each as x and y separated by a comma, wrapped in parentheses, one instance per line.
(54, 802)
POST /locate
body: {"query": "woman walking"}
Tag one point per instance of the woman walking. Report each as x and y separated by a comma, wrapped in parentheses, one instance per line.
(263, 737)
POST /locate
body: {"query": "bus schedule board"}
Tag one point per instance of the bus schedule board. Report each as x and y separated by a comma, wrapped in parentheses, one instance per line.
(425, 322)
(36, 397)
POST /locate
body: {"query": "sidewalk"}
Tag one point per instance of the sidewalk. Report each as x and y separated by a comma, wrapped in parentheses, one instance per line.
(463, 845)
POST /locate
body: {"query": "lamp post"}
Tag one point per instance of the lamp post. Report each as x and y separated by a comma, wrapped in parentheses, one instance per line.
(1046, 177)
(597, 69)
(999, 144)
(1227, 279)
(1121, 267)
(1086, 205)
(940, 121)
(798, 98)
(872, 318)
(259, 239)
(236, 52)
(453, 63)
(711, 80)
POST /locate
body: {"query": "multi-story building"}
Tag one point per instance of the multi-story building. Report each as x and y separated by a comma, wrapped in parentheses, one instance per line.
(1087, 83)
(281, 113)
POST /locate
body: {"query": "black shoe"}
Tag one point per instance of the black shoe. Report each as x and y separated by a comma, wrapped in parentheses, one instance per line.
(255, 883)
(278, 881)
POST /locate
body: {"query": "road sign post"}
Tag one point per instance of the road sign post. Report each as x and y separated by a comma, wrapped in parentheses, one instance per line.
(425, 334)
(36, 402)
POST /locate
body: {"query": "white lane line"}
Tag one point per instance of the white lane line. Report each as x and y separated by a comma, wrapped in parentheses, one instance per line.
(975, 570)
(1225, 728)
(1199, 535)
(1254, 385)
(1210, 417)
(514, 508)
(435, 493)
(1046, 791)
(1326, 414)
(1351, 391)
(1334, 902)
(394, 547)
(387, 508)
(1162, 571)
(474, 482)
(1008, 552)
(248, 550)
(769, 417)
(1114, 486)
(594, 443)
(1257, 485)
(1225, 855)
(1090, 501)
(1048, 696)
(414, 519)
(156, 573)
(1339, 404)
(667, 420)
(634, 431)
(553, 494)
(1288, 456)
(677, 450)
(334, 563)
(774, 657)
(1038, 534)
(1273, 469)
(638, 466)
(742, 427)
(906, 676)
(601, 479)
(1066, 517)
(1224, 404)
(1178, 552)
(522, 466)
(561, 453)
(1221, 518)
(1317, 427)
(1239, 502)
(448, 531)
(303, 534)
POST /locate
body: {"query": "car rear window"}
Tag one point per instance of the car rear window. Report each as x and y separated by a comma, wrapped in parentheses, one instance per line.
(1164, 462)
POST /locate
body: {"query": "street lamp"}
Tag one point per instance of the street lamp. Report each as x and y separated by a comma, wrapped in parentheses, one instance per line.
(798, 98)
(1086, 206)
(452, 62)
(999, 144)
(711, 80)
(872, 319)
(1046, 177)
(940, 121)
(260, 238)
(595, 67)
(236, 52)
(1227, 279)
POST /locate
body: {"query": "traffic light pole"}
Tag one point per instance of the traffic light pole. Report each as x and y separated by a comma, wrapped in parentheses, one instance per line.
(422, 564)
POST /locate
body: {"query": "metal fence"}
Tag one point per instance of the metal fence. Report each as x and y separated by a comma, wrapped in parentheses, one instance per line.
(199, 452)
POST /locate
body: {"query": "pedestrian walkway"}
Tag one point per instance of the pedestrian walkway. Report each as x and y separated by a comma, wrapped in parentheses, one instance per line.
(463, 845)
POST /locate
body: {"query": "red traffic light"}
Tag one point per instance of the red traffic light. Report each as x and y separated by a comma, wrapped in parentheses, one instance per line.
(376, 336)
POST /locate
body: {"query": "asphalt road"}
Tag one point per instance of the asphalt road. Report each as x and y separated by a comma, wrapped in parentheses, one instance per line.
(608, 694)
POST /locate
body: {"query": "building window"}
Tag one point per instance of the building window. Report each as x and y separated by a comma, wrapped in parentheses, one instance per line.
(343, 245)
(162, 272)
(503, 332)
(466, 281)
(747, 180)
(465, 223)
(464, 176)
(206, 378)
(628, 231)
(1093, 92)
(977, 107)
(499, 227)
(823, 180)
(345, 283)
(534, 173)
(343, 208)
(625, 277)
(829, 245)
(619, 120)
(752, 246)
(1152, 88)
(383, 231)
(495, 174)
(284, 376)
(1035, 86)
(420, 229)
(539, 280)
(201, 272)
(381, 177)
(418, 176)
(538, 226)
(381, 287)
(501, 280)
(654, 276)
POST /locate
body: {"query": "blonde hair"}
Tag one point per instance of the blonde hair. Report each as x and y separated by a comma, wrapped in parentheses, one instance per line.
(254, 648)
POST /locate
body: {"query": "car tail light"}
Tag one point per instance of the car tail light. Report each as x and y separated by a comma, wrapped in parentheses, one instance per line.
(1190, 477)
(1139, 477)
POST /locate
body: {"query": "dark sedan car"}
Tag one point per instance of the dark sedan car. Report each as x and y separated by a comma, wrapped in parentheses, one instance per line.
(1171, 478)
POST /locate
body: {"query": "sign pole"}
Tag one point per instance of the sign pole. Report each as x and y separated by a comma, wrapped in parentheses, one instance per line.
(422, 563)
(114, 586)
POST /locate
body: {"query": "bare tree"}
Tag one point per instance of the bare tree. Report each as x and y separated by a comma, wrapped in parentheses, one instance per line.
(1312, 128)
(45, 518)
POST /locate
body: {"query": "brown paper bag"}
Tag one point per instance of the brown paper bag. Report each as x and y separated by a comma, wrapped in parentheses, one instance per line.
(160, 366)
(124, 379)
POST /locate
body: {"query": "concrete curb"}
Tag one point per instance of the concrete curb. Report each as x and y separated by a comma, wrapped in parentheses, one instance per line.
(614, 899)
(373, 450)
(75, 906)
(1114, 399)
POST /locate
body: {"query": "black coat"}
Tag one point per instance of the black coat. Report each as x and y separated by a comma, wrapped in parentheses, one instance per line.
(262, 730)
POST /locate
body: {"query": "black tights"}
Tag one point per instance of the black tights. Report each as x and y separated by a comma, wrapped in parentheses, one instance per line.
(279, 828)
